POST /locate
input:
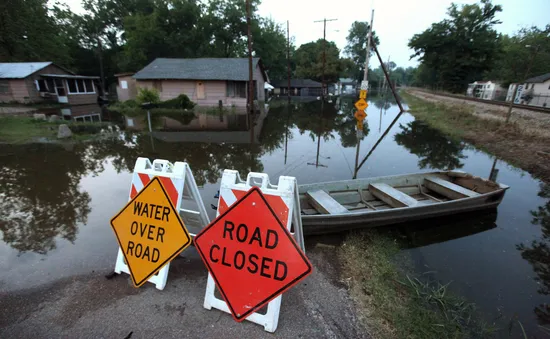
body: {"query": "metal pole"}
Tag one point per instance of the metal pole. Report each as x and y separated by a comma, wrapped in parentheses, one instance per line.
(149, 121)
(324, 57)
(369, 38)
(387, 77)
(509, 114)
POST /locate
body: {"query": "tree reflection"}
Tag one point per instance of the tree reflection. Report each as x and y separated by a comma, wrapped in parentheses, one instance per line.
(538, 253)
(40, 197)
(433, 148)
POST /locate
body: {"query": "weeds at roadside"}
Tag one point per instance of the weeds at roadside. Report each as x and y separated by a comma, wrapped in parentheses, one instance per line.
(393, 304)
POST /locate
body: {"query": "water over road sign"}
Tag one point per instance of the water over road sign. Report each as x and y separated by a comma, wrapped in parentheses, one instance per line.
(150, 232)
(360, 115)
(361, 104)
(251, 255)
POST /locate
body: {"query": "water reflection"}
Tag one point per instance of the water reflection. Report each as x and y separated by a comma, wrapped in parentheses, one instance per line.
(537, 253)
(40, 197)
(433, 148)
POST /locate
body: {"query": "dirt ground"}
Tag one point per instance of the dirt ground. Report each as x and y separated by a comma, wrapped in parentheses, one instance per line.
(92, 306)
(524, 143)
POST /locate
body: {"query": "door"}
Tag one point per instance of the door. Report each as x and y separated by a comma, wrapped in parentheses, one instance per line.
(61, 92)
(200, 90)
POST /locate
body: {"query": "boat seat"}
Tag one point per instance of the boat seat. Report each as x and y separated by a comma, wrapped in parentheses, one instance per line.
(447, 188)
(391, 196)
(324, 203)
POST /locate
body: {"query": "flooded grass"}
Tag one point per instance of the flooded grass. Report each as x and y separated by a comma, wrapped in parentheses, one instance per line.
(523, 147)
(19, 129)
(395, 304)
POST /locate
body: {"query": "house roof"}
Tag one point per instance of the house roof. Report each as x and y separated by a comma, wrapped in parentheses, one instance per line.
(20, 70)
(540, 78)
(235, 69)
(346, 80)
(297, 83)
(68, 76)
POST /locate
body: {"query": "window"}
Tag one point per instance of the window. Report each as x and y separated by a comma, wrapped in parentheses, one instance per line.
(41, 85)
(123, 84)
(80, 86)
(157, 84)
(236, 89)
(4, 86)
(89, 86)
(50, 84)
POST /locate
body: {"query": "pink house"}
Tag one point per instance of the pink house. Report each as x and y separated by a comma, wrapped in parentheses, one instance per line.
(206, 81)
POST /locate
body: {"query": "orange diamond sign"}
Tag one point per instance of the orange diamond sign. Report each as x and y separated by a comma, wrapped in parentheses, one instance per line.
(150, 232)
(361, 104)
(360, 115)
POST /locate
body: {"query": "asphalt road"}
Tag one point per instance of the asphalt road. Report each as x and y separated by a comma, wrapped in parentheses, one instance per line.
(91, 306)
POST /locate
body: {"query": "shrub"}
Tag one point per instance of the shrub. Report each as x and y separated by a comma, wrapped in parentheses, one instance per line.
(150, 95)
(182, 101)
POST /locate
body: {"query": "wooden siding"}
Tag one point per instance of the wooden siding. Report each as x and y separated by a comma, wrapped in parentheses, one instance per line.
(34, 95)
(17, 91)
(124, 94)
(260, 83)
(81, 99)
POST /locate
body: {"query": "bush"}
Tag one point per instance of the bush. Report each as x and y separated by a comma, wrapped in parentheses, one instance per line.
(182, 101)
(150, 95)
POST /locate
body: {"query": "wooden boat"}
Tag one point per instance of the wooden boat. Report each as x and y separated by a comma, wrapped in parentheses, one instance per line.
(342, 205)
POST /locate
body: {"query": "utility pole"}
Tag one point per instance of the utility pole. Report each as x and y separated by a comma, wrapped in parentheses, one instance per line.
(517, 86)
(324, 21)
(250, 73)
(288, 60)
(369, 37)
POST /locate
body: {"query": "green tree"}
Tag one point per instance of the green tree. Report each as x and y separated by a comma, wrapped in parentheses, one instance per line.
(461, 48)
(270, 43)
(28, 32)
(523, 55)
(356, 47)
(309, 61)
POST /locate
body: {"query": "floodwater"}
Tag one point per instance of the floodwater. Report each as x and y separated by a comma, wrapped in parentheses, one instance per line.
(56, 200)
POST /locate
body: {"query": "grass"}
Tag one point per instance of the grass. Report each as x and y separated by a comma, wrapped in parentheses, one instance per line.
(394, 304)
(512, 141)
(20, 129)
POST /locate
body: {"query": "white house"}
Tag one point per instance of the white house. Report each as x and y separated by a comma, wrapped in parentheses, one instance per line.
(537, 91)
(487, 90)
(345, 86)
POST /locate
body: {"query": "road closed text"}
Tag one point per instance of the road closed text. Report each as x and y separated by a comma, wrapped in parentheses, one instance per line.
(237, 256)
(145, 233)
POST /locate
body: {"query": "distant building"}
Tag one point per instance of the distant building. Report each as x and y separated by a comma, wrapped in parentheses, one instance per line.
(536, 91)
(32, 82)
(298, 87)
(487, 90)
(345, 86)
(206, 81)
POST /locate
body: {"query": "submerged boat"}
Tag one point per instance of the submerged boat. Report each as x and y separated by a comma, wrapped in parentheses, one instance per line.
(342, 205)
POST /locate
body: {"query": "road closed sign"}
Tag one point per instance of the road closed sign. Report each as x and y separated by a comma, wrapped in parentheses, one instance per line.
(150, 232)
(251, 255)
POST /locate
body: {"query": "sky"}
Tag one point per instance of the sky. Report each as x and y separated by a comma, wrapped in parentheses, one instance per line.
(395, 21)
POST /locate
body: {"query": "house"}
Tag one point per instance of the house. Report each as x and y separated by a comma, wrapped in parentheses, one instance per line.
(206, 81)
(33, 82)
(345, 86)
(126, 88)
(298, 87)
(487, 90)
(536, 91)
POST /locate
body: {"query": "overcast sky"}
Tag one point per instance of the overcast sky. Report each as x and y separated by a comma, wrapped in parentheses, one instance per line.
(395, 21)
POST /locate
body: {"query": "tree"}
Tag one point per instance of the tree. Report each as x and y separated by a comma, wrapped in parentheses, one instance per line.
(461, 48)
(523, 55)
(309, 61)
(356, 47)
(28, 32)
(270, 44)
